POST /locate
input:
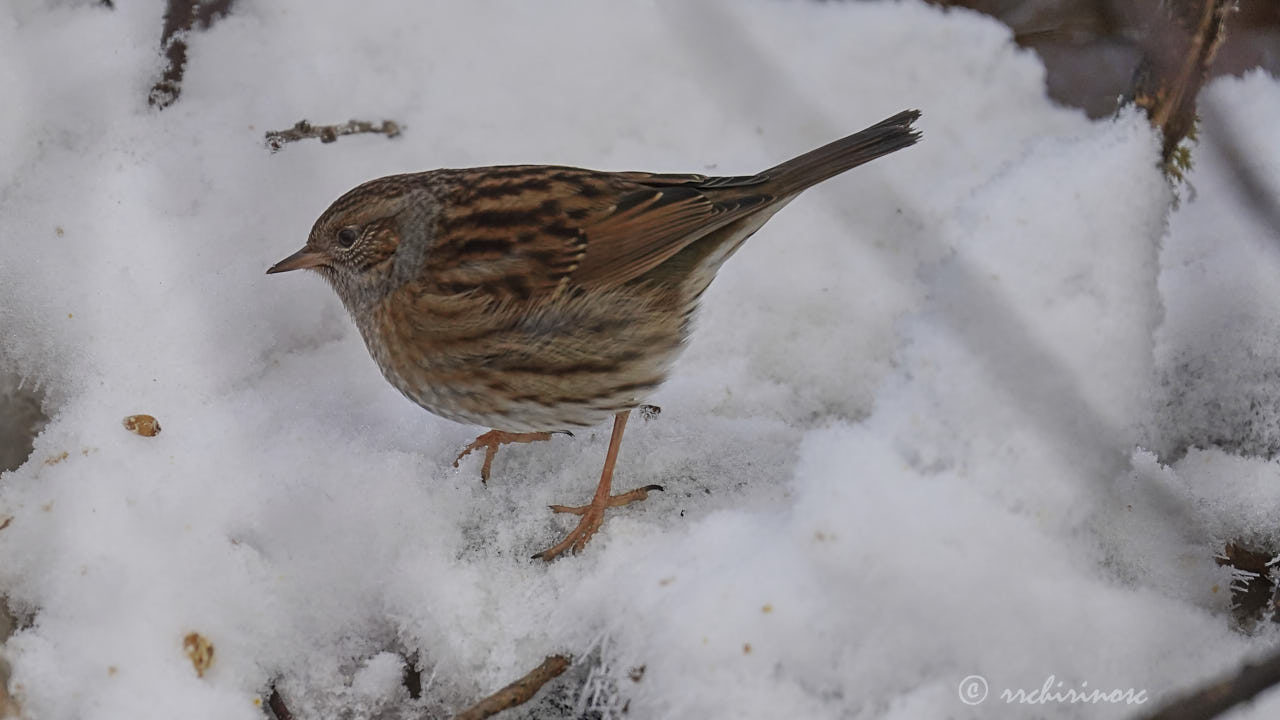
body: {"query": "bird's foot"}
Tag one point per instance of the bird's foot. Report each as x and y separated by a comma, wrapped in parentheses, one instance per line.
(491, 440)
(592, 517)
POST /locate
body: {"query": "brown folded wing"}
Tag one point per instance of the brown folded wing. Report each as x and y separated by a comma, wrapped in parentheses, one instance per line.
(527, 231)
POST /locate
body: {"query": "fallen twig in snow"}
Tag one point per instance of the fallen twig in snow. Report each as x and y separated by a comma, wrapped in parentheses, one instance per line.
(8, 706)
(1253, 589)
(518, 692)
(1219, 696)
(276, 703)
(179, 18)
(277, 139)
(1177, 52)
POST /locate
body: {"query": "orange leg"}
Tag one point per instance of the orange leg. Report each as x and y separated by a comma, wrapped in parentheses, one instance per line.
(593, 513)
(490, 442)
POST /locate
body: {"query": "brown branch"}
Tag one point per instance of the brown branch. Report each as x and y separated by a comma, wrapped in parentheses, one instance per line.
(1253, 590)
(518, 692)
(276, 703)
(179, 18)
(412, 677)
(1217, 697)
(277, 139)
(1177, 53)
(8, 705)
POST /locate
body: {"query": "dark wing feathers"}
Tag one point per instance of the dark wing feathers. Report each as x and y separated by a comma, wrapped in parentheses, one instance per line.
(527, 231)
(699, 181)
(646, 227)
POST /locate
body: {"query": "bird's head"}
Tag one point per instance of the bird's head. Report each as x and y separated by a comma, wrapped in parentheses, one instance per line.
(354, 243)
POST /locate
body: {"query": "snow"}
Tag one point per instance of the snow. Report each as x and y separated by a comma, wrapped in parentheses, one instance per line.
(968, 410)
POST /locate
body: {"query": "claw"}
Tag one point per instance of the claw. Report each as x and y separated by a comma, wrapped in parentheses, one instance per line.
(491, 441)
(593, 513)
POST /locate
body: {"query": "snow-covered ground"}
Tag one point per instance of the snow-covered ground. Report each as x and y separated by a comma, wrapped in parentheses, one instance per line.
(905, 447)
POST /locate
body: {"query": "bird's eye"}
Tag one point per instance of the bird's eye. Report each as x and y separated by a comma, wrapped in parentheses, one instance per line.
(347, 237)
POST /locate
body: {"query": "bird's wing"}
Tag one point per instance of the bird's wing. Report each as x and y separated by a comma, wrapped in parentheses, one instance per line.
(525, 231)
(521, 232)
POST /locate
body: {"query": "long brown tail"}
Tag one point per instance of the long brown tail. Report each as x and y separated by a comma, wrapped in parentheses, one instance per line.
(813, 167)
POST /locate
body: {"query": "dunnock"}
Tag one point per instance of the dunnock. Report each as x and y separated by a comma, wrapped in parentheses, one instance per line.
(532, 298)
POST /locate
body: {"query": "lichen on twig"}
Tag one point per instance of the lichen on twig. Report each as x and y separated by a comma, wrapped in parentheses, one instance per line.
(302, 130)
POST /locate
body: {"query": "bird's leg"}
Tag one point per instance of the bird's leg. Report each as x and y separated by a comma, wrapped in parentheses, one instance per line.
(490, 442)
(593, 513)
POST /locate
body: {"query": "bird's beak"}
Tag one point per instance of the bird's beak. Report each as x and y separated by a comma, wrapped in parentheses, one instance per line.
(304, 258)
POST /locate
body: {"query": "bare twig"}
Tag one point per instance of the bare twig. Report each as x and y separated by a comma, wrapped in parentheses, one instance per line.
(1217, 697)
(179, 18)
(277, 139)
(276, 703)
(1177, 53)
(1253, 589)
(21, 419)
(518, 692)
(8, 706)
(412, 678)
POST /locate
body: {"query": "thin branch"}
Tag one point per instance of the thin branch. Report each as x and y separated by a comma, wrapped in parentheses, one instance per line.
(518, 692)
(8, 706)
(276, 703)
(412, 677)
(1178, 51)
(1216, 698)
(277, 139)
(179, 19)
(1253, 589)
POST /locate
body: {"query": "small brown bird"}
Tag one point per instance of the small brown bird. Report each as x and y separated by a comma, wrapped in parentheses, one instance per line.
(532, 299)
